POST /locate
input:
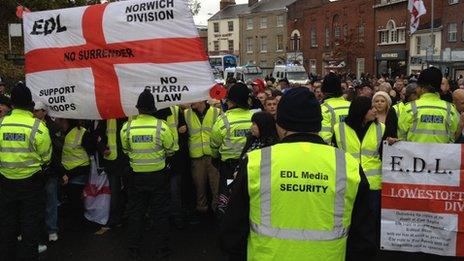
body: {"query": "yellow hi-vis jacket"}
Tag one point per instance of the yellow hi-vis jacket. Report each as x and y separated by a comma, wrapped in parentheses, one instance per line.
(300, 209)
(365, 151)
(111, 129)
(229, 133)
(173, 122)
(428, 119)
(334, 110)
(200, 132)
(147, 141)
(74, 155)
(25, 145)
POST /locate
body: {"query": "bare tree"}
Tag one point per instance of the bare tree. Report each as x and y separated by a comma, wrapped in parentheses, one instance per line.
(194, 6)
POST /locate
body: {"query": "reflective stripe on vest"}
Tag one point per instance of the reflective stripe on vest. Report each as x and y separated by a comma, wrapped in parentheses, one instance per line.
(34, 129)
(146, 156)
(266, 229)
(369, 157)
(74, 155)
(111, 129)
(200, 132)
(415, 130)
(333, 118)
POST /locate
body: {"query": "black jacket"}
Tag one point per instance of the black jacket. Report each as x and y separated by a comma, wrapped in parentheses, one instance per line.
(235, 226)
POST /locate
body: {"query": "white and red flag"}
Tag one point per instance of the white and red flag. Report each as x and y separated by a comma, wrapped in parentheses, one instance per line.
(92, 62)
(416, 9)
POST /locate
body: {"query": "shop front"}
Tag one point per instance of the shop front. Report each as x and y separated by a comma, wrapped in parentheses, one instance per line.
(393, 63)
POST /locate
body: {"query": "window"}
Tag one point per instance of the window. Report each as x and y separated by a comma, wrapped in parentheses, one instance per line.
(452, 32)
(361, 33)
(401, 35)
(313, 37)
(392, 32)
(280, 43)
(230, 24)
(452, 2)
(312, 66)
(295, 40)
(263, 44)
(336, 28)
(280, 21)
(263, 22)
(327, 36)
(263, 63)
(249, 45)
(216, 27)
(249, 24)
(418, 44)
(216, 45)
(231, 45)
(383, 37)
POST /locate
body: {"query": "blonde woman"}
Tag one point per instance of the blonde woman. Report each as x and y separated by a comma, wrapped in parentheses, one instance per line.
(385, 113)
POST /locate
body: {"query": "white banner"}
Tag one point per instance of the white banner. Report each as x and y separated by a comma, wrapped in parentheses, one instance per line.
(423, 198)
(92, 62)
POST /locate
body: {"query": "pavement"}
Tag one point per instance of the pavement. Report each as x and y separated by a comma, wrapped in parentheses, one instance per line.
(78, 242)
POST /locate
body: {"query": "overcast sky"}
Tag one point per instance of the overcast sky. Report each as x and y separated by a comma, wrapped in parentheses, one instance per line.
(208, 8)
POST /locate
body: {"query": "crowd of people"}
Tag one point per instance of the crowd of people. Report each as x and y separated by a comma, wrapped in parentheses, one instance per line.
(178, 165)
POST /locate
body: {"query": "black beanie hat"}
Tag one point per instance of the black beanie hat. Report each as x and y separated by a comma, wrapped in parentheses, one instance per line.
(431, 77)
(332, 84)
(238, 94)
(146, 101)
(299, 111)
(21, 96)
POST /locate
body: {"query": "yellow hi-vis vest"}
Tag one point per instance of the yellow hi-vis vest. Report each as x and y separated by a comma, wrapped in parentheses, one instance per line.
(229, 133)
(173, 122)
(300, 209)
(147, 141)
(111, 129)
(200, 132)
(25, 145)
(399, 108)
(334, 110)
(365, 151)
(74, 155)
(428, 119)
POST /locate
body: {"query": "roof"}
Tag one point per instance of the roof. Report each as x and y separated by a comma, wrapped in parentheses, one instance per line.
(270, 5)
(230, 12)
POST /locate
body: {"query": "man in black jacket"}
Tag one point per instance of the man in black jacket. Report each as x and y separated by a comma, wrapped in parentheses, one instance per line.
(235, 228)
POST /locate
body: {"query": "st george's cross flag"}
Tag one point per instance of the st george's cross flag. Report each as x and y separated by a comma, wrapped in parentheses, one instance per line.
(416, 9)
(92, 62)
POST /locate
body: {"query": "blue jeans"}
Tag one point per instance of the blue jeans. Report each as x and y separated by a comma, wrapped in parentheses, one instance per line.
(51, 209)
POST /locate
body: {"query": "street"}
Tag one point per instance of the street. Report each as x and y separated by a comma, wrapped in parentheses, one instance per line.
(195, 242)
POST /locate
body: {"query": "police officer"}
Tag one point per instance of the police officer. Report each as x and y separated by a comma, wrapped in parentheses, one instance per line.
(335, 107)
(298, 199)
(428, 119)
(148, 141)
(229, 133)
(25, 147)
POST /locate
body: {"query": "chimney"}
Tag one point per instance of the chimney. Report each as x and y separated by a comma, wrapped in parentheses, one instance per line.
(225, 3)
(252, 2)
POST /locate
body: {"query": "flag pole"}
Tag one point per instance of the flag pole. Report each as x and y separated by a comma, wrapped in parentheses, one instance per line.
(432, 40)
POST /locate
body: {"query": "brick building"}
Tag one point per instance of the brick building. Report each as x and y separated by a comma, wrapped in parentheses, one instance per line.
(452, 61)
(332, 36)
(263, 33)
(393, 43)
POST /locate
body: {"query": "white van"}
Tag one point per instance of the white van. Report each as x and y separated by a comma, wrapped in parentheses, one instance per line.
(248, 73)
(293, 73)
